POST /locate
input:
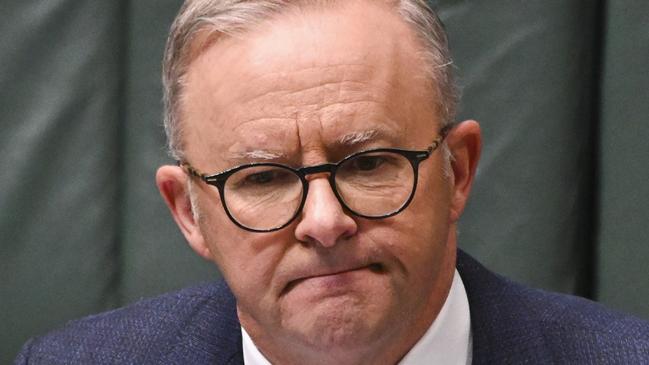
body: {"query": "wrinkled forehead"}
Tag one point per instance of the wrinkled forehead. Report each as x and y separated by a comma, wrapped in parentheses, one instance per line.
(317, 65)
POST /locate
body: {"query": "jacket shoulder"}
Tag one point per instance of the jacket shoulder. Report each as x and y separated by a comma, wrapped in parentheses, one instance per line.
(576, 329)
(155, 330)
(513, 323)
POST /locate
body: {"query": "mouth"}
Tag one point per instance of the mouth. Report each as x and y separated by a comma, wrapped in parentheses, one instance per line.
(332, 277)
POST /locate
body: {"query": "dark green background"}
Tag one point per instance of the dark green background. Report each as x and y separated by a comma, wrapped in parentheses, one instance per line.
(560, 89)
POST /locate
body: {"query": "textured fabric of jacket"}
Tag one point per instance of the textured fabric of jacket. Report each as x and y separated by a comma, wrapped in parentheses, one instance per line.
(511, 324)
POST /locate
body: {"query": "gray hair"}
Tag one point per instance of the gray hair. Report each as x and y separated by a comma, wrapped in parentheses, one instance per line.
(212, 18)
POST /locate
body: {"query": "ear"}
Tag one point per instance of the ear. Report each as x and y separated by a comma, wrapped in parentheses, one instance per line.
(172, 183)
(465, 143)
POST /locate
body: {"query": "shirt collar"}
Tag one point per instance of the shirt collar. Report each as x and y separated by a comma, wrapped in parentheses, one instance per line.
(447, 341)
(251, 354)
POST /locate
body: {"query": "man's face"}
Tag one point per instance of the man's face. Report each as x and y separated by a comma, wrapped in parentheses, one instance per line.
(305, 89)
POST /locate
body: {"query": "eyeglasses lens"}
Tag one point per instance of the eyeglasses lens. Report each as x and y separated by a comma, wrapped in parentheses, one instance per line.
(375, 184)
(263, 197)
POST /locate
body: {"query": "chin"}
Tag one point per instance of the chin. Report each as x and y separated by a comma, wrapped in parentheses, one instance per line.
(337, 323)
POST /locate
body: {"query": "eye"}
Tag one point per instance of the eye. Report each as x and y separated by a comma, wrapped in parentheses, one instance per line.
(367, 163)
(261, 180)
(264, 177)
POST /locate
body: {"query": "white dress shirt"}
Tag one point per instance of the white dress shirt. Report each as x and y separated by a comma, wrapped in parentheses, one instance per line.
(447, 341)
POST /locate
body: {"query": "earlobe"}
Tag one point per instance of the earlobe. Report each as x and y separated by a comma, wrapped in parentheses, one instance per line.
(172, 184)
(465, 143)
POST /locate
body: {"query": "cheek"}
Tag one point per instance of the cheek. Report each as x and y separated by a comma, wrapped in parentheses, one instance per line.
(417, 239)
(410, 244)
(432, 201)
(248, 261)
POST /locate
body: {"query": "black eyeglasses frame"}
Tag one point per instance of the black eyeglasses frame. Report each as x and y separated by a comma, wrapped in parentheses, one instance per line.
(415, 157)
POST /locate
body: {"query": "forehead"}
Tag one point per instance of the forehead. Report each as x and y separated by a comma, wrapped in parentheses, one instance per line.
(306, 79)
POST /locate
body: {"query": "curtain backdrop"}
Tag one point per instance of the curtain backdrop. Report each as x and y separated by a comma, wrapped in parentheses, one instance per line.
(560, 201)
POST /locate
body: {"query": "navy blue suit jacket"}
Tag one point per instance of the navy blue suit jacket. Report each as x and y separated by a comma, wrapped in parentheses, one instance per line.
(511, 324)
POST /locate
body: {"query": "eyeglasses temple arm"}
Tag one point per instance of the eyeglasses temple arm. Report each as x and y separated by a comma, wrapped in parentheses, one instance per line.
(442, 134)
(191, 171)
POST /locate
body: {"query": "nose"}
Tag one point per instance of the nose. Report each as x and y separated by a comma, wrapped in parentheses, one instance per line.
(323, 221)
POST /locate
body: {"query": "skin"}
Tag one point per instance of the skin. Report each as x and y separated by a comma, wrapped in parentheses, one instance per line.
(299, 90)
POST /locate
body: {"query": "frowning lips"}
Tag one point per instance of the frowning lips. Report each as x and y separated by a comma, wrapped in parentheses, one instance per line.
(329, 277)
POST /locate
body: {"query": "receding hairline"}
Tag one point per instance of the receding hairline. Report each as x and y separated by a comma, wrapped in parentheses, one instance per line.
(207, 35)
(204, 32)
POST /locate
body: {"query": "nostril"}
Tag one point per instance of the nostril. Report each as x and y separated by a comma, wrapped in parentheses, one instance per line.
(348, 234)
(306, 241)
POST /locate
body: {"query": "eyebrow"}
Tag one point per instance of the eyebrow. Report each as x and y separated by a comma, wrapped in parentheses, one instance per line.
(256, 155)
(359, 138)
(348, 140)
(355, 138)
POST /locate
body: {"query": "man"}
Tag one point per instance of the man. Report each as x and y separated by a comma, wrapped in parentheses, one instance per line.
(319, 169)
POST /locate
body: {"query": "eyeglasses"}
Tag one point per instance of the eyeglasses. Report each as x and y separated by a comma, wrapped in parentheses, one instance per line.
(373, 184)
